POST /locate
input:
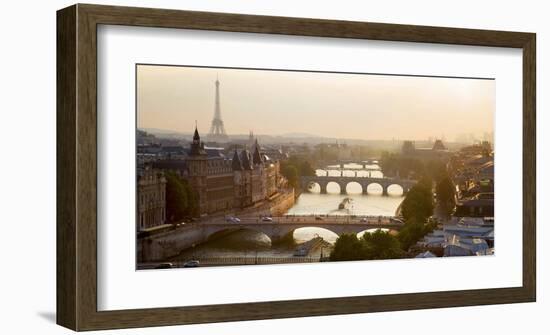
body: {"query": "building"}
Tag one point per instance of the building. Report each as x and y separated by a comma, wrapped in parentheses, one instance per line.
(437, 152)
(466, 236)
(151, 202)
(475, 207)
(223, 184)
(210, 176)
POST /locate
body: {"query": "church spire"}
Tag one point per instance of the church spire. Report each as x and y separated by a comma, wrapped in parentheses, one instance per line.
(197, 147)
(236, 162)
(256, 156)
(196, 136)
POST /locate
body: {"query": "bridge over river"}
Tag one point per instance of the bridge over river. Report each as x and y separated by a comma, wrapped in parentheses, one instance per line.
(343, 181)
(342, 162)
(166, 244)
(284, 225)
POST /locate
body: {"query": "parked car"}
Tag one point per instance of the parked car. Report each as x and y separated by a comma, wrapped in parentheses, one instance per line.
(191, 264)
(364, 220)
(267, 219)
(318, 218)
(164, 266)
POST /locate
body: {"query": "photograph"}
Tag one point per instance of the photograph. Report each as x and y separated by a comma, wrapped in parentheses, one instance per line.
(238, 166)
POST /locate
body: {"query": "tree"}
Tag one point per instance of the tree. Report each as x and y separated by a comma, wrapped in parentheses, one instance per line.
(181, 201)
(347, 248)
(410, 234)
(176, 198)
(291, 174)
(376, 245)
(306, 169)
(394, 164)
(381, 245)
(413, 231)
(192, 199)
(426, 182)
(445, 191)
(436, 170)
(418, 204)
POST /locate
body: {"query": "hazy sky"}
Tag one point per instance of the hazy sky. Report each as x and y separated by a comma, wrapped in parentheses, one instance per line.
(327, 104)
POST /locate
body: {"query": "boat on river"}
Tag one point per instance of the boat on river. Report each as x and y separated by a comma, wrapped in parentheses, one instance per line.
(347, 203)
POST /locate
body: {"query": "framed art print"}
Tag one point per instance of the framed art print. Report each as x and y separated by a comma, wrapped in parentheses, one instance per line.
(216, 167)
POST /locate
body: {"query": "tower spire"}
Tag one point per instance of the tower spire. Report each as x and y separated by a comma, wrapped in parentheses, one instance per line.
(217, 130)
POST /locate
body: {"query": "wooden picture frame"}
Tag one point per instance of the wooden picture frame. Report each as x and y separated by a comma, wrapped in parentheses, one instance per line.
(77, 170)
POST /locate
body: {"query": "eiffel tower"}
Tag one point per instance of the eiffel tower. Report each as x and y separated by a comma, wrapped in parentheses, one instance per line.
(217, 130)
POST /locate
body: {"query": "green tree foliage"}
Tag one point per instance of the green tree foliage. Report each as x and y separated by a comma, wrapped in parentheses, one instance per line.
(294, 168)
(445, 191)
(325, 153)
(406, 167)
(181, 201)
(393, 164)
(418, 204)
(305, 169)
(413, 231)
(347, 248)
(192, 199)
(381, 245)
(436, 170)
(290, 172)
(376, 245)
(426, 182)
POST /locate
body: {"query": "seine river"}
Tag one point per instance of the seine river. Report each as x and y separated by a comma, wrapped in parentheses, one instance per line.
(249, 243)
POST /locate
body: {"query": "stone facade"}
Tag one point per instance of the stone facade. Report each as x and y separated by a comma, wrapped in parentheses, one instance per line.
(151, 208)
(224, 185)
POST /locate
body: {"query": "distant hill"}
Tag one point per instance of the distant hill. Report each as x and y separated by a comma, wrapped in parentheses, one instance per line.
(299, 135)
(298, 138)
(164, 133)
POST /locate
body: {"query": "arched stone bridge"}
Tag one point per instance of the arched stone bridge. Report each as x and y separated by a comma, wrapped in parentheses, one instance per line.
(343, 181)
(342, 162)
(164, 245)
(277, 230)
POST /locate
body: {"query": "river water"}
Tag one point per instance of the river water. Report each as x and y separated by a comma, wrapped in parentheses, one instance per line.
(251, 243)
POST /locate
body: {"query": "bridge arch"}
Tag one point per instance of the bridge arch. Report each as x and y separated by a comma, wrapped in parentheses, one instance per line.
(330, 187)
(369, 185)
(306, 233)
(261, 239)
(354, 187)
(373, 188)
(314, 187)
(395, 189)
(276, 231)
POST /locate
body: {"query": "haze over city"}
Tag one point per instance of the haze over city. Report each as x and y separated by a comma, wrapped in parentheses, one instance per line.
(301, 167)
(353, 106)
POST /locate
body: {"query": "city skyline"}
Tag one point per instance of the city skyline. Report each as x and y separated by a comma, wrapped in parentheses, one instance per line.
(225, 196)
(175, 98)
